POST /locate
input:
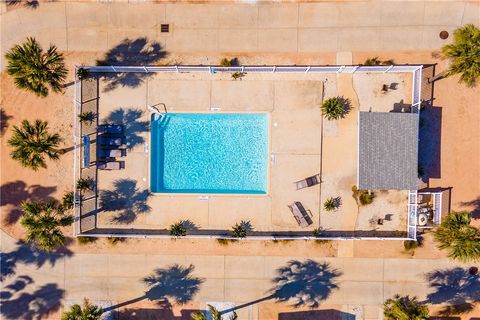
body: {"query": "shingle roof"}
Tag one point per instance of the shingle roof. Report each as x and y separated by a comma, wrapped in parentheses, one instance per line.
(388, 151)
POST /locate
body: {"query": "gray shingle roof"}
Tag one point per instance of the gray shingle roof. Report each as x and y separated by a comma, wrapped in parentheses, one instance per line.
(388, 151)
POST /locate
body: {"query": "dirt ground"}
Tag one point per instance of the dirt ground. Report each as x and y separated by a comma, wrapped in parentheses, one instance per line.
(459, 159)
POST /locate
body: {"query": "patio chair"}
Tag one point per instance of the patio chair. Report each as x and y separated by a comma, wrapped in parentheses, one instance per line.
(110, 141)
(302, 216)
(110, 128)
(111, 165)
(111, 153)
(308, 182)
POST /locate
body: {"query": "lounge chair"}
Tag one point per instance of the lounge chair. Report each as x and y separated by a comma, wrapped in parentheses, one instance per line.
(111, 153)
(308, 182)
(302, 216)
(110, 128)
(111, 165)
(110, 141)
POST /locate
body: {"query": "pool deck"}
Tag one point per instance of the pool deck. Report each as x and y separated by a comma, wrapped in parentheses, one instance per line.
(298, 134)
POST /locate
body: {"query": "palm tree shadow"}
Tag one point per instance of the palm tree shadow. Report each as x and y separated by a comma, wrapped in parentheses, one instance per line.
(455, 287)
(30, 4)
(476, 207)
(138, 52)
(29, 306)
(14, 193)
(133, 126)
(26, 254)
(304, 284)
(174, 283)
(126, 198)
(4, 118)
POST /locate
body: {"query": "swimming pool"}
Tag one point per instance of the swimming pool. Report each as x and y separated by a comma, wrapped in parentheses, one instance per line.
(209, 153)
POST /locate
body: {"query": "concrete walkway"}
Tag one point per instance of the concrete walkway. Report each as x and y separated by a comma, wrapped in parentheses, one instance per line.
(241, 27)
(363, 284)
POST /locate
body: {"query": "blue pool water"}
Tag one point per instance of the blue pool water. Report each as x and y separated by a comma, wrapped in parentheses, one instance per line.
(209, 153)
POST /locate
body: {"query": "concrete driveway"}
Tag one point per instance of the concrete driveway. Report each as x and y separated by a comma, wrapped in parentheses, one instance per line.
(352, 285)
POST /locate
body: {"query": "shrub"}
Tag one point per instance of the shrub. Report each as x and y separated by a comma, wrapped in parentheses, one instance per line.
(238, 75)
(332, 204)
(375, 61)
(86, 240)
(335, 108)
(410, 245)
(240, 230)
(317, 232)
(114, 240)
(82, 73)
(363, 197)
(87, 117)
(84, 184)
(225, 62)
(67, 200)
(178, 230)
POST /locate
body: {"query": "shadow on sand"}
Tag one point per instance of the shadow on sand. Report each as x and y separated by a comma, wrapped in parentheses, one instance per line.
(26, 254)
(138, 52)
(14, 193)
(28, 306)
(455, 287)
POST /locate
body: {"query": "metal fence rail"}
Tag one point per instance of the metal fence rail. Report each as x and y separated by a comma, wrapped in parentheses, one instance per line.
(272, 69)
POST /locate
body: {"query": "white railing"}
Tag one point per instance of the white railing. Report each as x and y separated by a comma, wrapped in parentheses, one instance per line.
(417, 90)
(271, 69)
(77, 105)
(412, 215)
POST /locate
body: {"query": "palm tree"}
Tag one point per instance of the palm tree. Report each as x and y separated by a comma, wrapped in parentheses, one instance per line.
(404, 308)
(456, 235)
(84, 184)
(67, 200)
(335, 108)
(36, 70)
(31, 142)
(43, 222)
(178, 229)
(215, 314)
(87, 311)
(464, 55)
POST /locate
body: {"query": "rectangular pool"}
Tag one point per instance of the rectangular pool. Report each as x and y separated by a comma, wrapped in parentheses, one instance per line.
(209, 153)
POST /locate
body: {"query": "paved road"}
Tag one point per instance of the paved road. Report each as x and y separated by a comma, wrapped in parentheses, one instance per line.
(362, 283)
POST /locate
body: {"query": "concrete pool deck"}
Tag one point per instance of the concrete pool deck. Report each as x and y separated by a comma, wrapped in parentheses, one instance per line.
(298, 134)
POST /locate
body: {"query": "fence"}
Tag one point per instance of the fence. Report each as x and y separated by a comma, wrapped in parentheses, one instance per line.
(416, 71)
(271, 69)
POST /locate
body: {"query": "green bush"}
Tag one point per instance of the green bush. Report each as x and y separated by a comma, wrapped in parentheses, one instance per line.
(332, 204)
(178, 230)
(240, 230)
(410, 245)
(225, 62)
(82, 73)
(335, 108)
(67, 201)
(87, 117)
(375, 61)
(363, 197)
(84, 184)
(86, 240)
(114, 240)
